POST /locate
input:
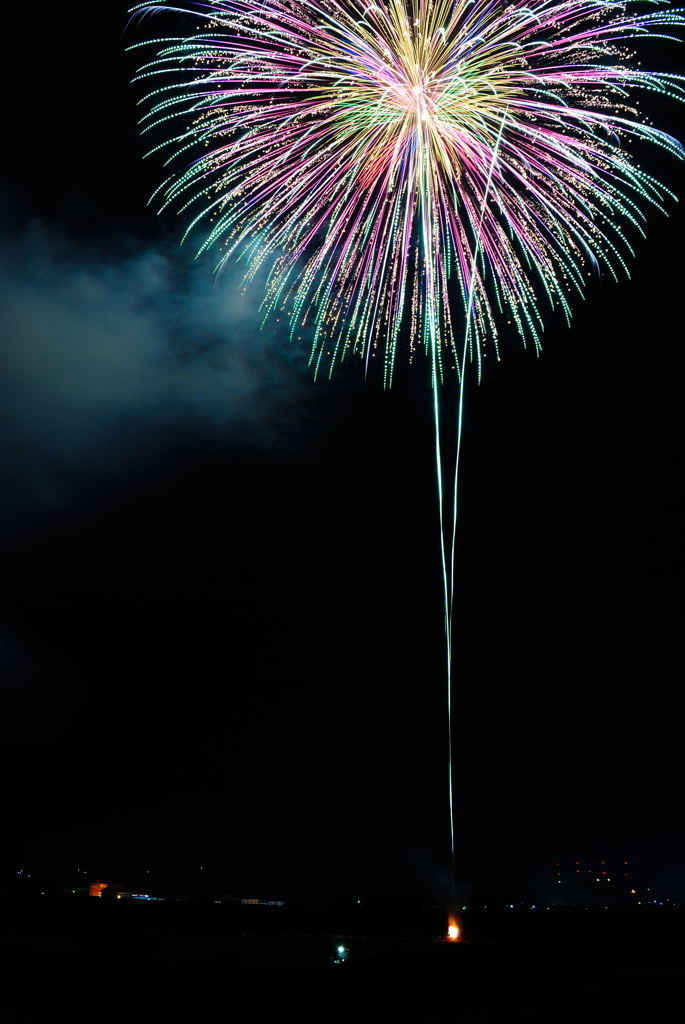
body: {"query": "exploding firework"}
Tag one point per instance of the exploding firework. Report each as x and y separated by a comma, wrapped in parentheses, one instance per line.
(347, 148)
(412, 173)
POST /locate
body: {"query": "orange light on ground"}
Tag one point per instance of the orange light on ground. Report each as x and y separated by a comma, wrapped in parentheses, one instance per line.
(97, 887)
(452, 929)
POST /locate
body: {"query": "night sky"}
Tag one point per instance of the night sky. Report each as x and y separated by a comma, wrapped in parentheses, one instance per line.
(220, 623)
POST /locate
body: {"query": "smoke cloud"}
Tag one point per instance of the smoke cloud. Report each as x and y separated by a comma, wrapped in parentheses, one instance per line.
(105, 348)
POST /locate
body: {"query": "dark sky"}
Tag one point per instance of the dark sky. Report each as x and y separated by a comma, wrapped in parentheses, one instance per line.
(220, 622)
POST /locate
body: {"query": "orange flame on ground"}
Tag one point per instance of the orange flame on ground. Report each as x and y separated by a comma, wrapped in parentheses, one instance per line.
(452, 929)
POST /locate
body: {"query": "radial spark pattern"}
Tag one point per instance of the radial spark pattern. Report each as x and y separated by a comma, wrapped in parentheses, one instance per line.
(401, 168)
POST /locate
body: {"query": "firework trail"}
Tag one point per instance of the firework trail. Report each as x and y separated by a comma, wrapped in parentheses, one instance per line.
(412, 173)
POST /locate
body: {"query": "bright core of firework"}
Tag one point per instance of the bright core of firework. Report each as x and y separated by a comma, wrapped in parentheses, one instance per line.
(388, 164)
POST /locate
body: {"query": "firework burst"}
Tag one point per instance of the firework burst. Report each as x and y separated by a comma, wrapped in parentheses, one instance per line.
(347, 148)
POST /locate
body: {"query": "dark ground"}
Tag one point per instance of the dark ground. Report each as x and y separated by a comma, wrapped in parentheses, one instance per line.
(107, 961)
